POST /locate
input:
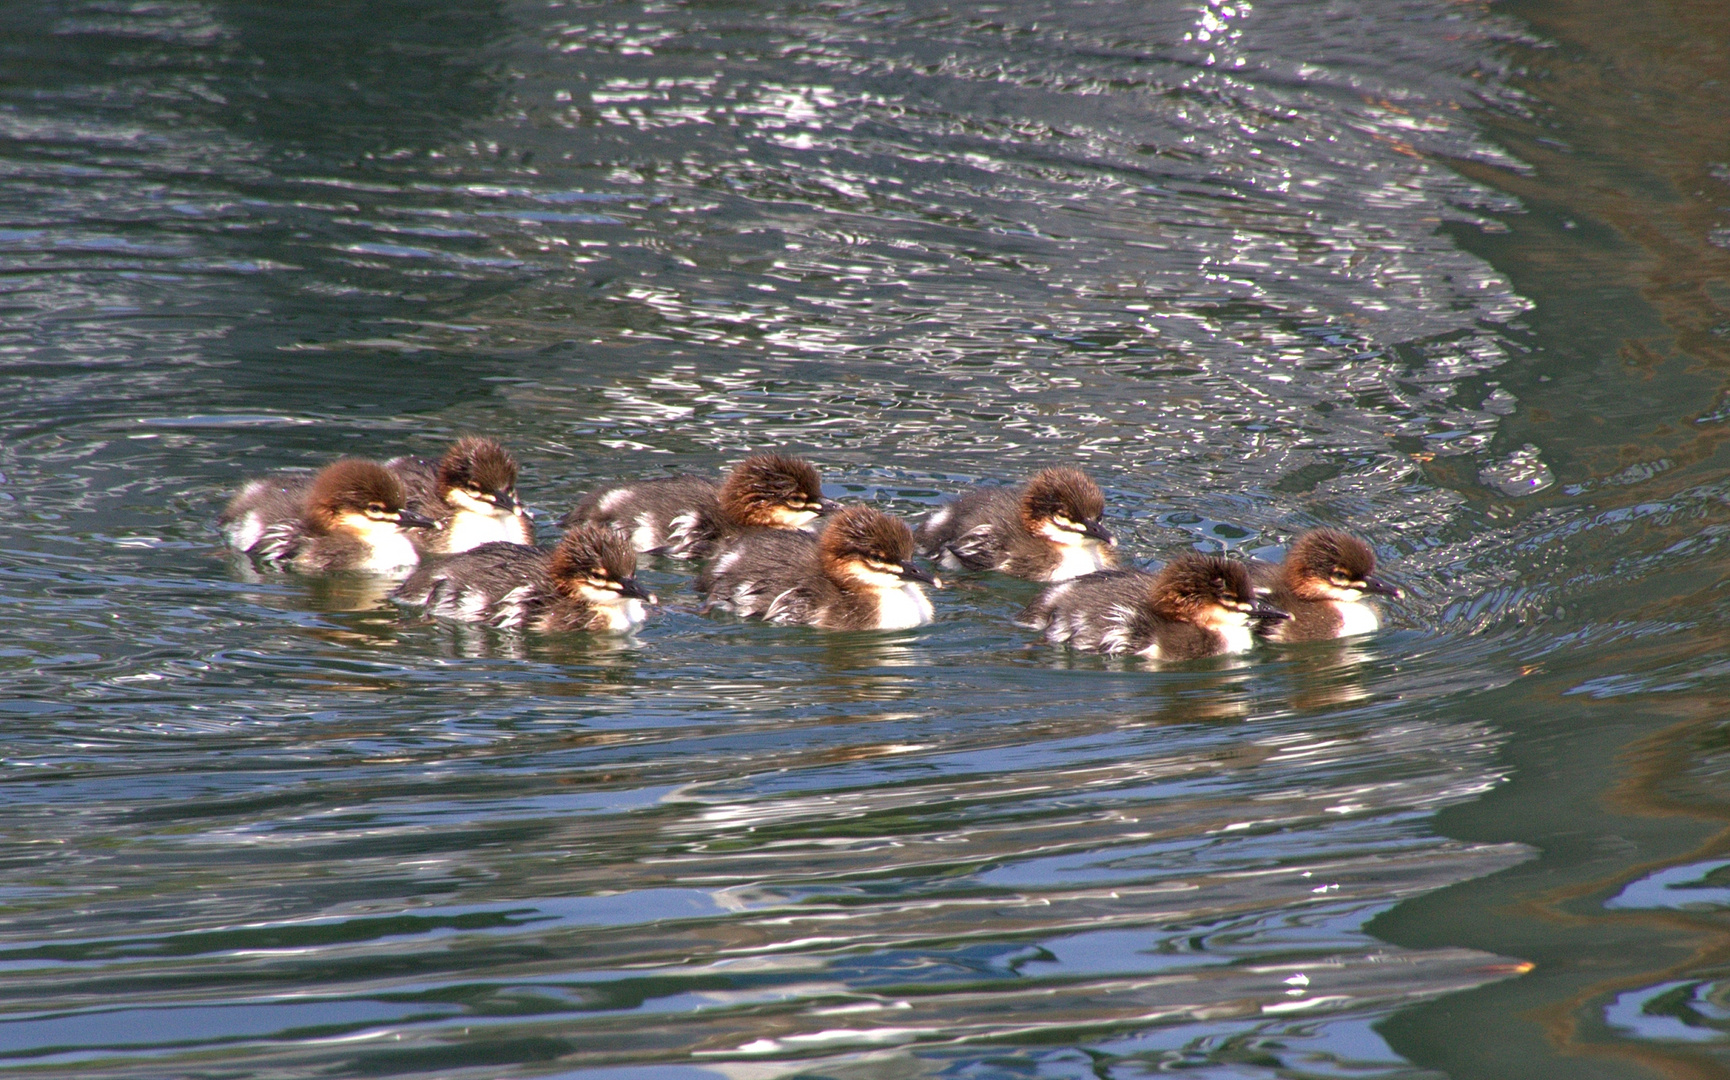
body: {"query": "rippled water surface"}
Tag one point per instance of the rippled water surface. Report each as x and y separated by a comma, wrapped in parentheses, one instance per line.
(1454, 276)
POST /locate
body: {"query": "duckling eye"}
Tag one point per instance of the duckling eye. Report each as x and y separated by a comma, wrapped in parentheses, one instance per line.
(602, 583)
(376, 509)
(1065, 523)
(881, 567)
(475, 493)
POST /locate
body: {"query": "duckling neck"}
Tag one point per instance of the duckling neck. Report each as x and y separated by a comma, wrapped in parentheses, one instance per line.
(1075, 560)
(1357, 617)
(386, 548)
(903, 608)
(472, 528)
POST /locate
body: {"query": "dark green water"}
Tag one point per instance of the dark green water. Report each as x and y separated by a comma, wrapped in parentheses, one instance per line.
(1455, 276)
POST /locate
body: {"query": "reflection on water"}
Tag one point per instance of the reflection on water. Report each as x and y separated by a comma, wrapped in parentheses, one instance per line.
(1256, 266)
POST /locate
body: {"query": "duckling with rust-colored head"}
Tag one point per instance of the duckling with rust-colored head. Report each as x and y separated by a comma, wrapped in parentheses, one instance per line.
(1195, 606)
(688, 517)
(1045, 530)
(858, 575)
(351, 515)
(1325, 581)
(588, 582)
(470, 495)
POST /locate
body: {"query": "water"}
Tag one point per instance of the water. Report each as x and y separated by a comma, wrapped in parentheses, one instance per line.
(1453, 276)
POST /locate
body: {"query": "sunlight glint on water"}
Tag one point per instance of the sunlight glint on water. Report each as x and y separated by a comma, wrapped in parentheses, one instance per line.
(268, 825)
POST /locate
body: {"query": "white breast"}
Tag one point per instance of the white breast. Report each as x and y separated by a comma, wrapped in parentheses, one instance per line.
(469, 529)
(1077, 559)
(390, 549)
(1238, 637)
(1357, 618)
(903, 608)
(626, 615)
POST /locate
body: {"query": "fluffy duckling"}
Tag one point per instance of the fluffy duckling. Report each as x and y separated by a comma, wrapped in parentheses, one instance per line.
(352, 515)
(856, 576)
(1046, 530)
(1325, 582)
(588, 582)
(470, 495)
(1197, 605)
(685, 517)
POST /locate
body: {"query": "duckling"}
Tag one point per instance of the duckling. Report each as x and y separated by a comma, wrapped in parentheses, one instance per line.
(588, 582)
(470, 495)
(1197, 605)
(856, 576)
(1324, 582)
(684, 517)
(1045, 530)
(350, 516)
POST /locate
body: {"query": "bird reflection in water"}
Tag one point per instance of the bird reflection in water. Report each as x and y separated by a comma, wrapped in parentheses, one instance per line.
(1329, 674)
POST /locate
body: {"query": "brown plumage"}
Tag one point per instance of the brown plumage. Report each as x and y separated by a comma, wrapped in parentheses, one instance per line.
(686, 517)
(1046, 530)
(768, 490)
(588, 582)
(352, 485)
(857, 576)
(479, 464)
(470, 495)
(1197, 605)
(1060, 493)
(589, 552)
(350, 516)
(1324, 582)
(861, 533)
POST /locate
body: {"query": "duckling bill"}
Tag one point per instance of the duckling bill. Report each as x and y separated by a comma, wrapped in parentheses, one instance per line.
(1197, 605)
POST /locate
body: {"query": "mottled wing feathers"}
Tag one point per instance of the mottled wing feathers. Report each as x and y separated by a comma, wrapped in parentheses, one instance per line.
(1102, 612)
(754, 569)
(497, 583)
(974, 530)
(678, 516)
